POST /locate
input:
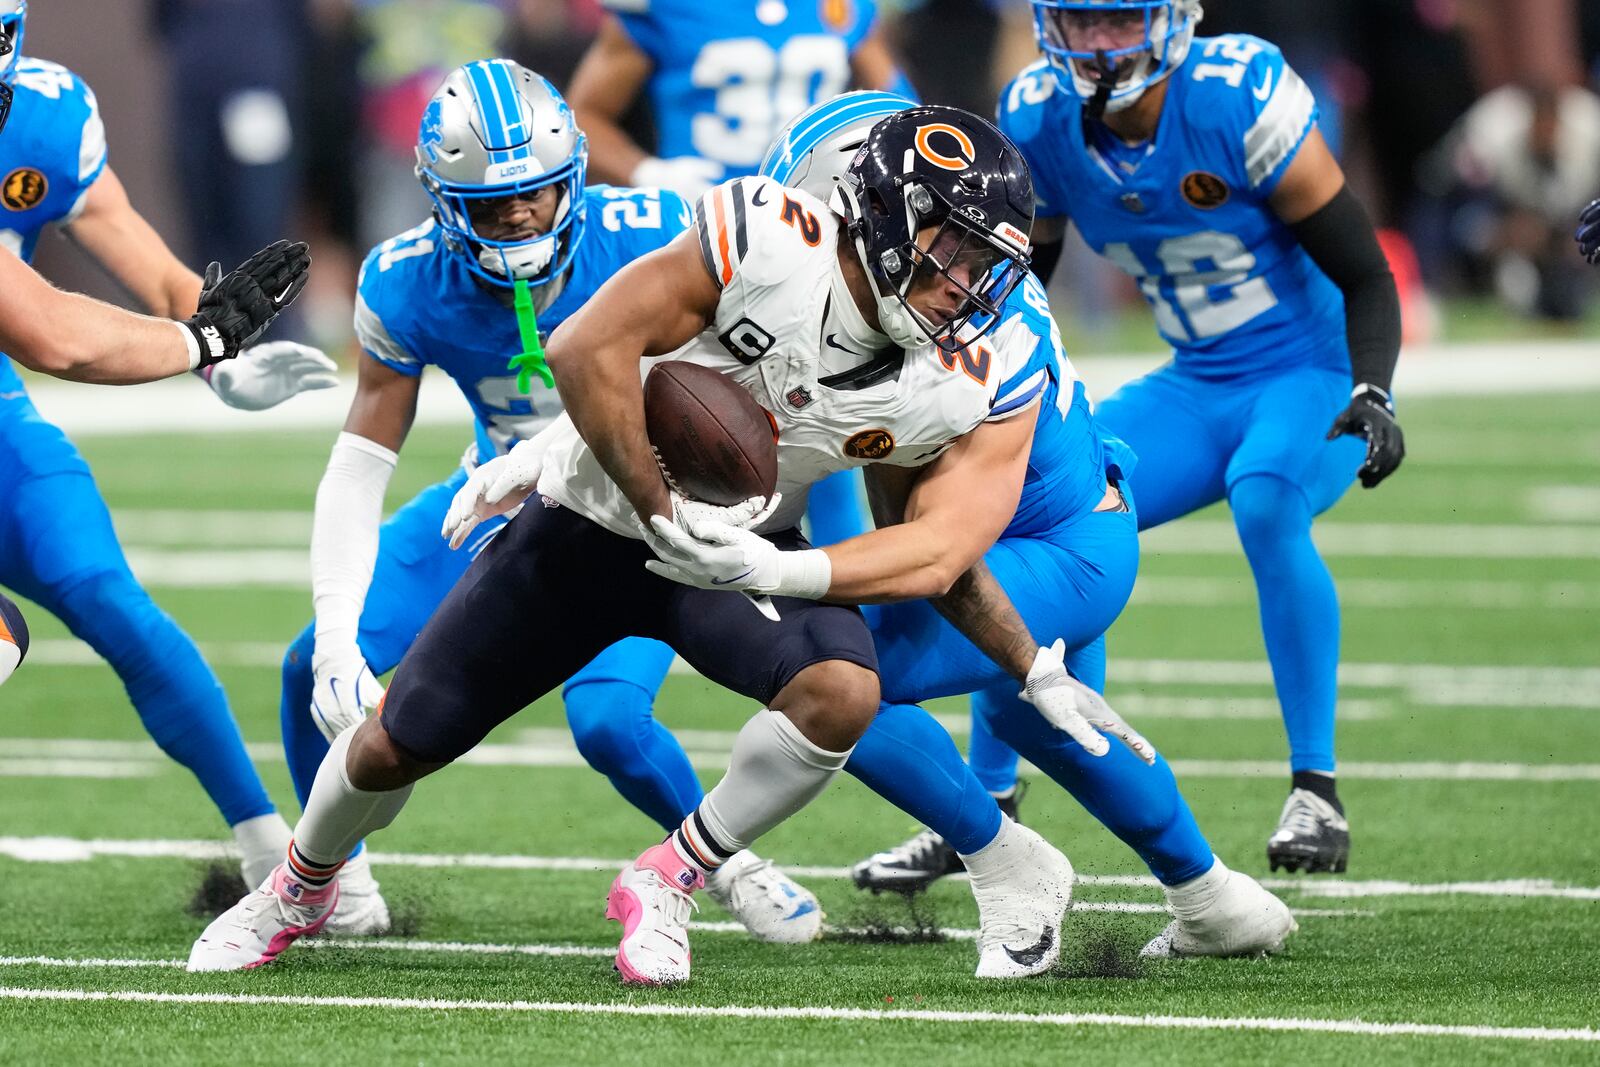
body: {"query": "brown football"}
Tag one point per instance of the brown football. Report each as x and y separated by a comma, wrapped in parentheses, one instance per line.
(715, 443)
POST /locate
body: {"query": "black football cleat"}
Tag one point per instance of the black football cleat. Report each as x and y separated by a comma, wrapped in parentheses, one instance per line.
(1312, 836)
(916, 863)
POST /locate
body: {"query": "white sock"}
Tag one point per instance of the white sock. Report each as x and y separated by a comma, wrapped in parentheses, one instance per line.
(338, 814)
(262, 842)
(998, 853)
(774, 772)
(1190, 899)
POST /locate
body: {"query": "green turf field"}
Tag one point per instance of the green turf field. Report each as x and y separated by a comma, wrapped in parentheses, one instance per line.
(1470, 735)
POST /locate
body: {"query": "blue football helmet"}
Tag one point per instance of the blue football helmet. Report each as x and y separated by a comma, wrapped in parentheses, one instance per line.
(812, 152)
(495, 129)
(13, 14)
(1114, 78)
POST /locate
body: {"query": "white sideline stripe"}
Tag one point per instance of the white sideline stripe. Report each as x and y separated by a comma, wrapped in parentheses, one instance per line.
(1384, 540)
(1167, 591)
(1563, 503)
(74, 850)
(1158, 1022)
(714, 756)
(180, 406)
(1506, 687)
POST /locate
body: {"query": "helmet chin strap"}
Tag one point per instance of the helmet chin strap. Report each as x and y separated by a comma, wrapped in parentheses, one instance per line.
(1105, 81)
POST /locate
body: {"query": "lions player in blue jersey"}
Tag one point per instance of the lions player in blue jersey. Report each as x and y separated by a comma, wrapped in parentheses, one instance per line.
(721, 81)
(57, 545)
(1196, 165)
(504, 164)
(1066, 561)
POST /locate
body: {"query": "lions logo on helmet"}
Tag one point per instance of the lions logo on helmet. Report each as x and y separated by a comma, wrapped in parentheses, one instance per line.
(496, 130)
(1110, 51)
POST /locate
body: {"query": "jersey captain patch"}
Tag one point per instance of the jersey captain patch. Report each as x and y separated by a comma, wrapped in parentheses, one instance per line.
(23, 189)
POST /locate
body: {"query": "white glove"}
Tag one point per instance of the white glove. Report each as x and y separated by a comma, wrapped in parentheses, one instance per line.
(688, 176)
(266, 375)
(717, 555)
(498, 487)
(344, 693)
(1072, 707)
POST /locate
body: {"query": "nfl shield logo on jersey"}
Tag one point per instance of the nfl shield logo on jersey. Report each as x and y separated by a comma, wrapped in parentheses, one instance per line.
(798, 397)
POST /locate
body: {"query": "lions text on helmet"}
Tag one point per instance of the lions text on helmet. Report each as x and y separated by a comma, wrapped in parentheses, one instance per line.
(938, 205)
(1110, 51)
(504, 163)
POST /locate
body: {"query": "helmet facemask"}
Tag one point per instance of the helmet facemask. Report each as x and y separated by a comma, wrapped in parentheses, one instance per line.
(495, 132)
(1147, 40)
(981, 265)
(12, 14)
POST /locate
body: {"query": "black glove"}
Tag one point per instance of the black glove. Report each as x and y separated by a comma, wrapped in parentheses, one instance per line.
(1589, 232)
(236, 309)
(1371, 415)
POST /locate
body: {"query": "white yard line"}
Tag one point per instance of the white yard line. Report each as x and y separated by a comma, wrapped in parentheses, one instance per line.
(1387, 540)
(709, 751)
(1173, 591)
(1563, 503)
(769, 1014)
(76, 850)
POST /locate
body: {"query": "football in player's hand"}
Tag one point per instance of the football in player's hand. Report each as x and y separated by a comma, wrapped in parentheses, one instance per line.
(714, 442)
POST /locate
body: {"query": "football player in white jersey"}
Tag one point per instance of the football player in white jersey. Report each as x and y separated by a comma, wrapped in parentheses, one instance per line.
(904, 275)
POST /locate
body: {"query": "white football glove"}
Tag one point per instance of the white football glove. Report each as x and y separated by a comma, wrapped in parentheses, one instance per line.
(1074, 708)
(710, 554)
(498, 487)
(345, 692)
(266, 375)
(688, 176)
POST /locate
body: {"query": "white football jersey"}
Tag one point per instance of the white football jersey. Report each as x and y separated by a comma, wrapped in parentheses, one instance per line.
(772, 252)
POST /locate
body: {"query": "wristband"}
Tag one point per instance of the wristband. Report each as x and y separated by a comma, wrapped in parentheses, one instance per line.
(806, 574)
(191, 343)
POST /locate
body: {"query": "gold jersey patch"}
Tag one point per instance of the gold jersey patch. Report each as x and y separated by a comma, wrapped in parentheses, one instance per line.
(22, 189)
(1204, 191)
(869, 444)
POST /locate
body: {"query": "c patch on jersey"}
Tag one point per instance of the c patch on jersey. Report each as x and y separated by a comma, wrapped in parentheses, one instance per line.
(23, 188)
(869, 444)
(1205, 191)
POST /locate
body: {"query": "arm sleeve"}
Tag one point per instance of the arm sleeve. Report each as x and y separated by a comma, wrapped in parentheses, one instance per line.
(344, 536)
(1339, 238)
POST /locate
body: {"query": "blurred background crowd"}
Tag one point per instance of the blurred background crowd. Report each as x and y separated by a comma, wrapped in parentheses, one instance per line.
(1471, 128)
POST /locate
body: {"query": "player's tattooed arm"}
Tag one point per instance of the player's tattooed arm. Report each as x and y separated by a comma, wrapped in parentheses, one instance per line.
(654, 305)
(951, 513)
(978, 607)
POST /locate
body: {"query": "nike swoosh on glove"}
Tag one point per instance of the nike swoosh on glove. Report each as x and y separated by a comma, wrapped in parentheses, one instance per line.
(234, 310)
(1371, 416)
(716, 555)
(345, 693)
(1075, 709)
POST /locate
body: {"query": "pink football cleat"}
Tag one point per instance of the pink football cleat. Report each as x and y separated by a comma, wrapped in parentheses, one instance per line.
(263, 924)
(651, 899)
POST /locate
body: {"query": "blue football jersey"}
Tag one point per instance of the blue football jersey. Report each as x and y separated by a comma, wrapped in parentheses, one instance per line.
(52, 150)
(417, 304)
(1069, 456)
(1233, 291)
(729, 76)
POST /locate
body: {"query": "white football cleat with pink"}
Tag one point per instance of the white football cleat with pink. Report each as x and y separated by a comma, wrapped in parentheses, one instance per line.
(651, 899)
(263, 924)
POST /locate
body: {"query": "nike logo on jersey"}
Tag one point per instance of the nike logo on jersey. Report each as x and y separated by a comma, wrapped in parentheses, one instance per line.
(1030, 956)
(759, 197)
(835, 344)
(1264, 90)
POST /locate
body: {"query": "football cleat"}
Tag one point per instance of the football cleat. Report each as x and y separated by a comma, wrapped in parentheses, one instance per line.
(1023, 885)
(1240, 919)
(917, 862)
(651, 899)
(1312, 836)
(361, 911)
(772, 906)
(263, 924)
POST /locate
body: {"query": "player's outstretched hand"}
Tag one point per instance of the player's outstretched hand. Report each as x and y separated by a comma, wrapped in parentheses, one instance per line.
(498, 487)
(236, 308)
(1371, 416)
(1589, 232)
(344, 693)
(266, 375)
(1075, 709)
